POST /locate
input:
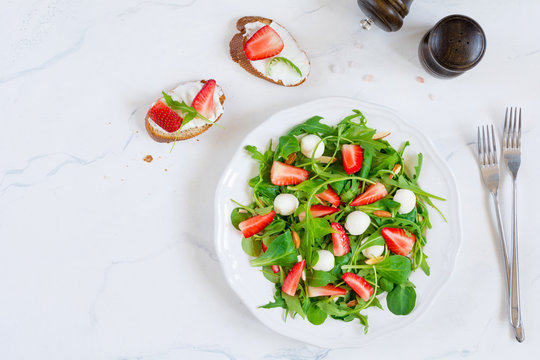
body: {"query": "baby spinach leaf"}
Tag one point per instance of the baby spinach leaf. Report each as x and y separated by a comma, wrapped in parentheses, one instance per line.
(401, 300)
(238, 215)
(320, 278)
(251, 246)
(386, 284)
(315, 315)
(280, 252)
(395, 268)
(312, 126)
(320, 227)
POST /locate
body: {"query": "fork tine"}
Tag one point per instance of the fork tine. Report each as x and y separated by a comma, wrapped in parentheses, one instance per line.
(484, 146)
(495, 157)
(505, 130)
(479, 144)
(490, 147)
(519, 131)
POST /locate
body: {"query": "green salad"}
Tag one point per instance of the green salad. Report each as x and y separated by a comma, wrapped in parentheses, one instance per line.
(335, 221)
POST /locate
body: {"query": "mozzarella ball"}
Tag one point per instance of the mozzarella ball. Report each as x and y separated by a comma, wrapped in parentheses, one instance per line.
(357, 222)
(372, 251)
(325, 262)
(285, 204)
(308, 143)
(407, 199)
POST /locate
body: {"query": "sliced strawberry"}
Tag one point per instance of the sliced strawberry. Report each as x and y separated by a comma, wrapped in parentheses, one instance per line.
(318, 211)
(265, 43)
(290, 284)
(204, 100)
(256, 224)
(359, 285)
(282, 174)
(165, 117)
(275, 268)
(398, 240)
(328, 290)
(373, 193)
(353, 156)
(330, 195)
(340, 240)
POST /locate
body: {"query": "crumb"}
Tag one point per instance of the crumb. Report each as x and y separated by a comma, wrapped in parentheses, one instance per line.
(433, 97)
(127, 165)
(159, 157)
(121, 179)
(105, 177)
(165, 170)
(355, 64)
(137, 131)
(198, 140)
(368, 77)
(148, 158)
(420, 79)
(358, 45)
(109, 123)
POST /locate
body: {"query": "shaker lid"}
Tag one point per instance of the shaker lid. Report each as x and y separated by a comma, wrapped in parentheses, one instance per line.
(457, 42)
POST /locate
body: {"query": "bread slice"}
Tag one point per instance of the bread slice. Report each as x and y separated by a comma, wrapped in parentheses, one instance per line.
(161, 135)
(236, 48)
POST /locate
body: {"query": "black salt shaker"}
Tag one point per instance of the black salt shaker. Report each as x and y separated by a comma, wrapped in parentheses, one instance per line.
(453, 46)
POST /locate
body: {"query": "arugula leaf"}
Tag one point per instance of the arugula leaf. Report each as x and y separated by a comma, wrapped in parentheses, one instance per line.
(189, 112)
(401, 300)
(293, 304)
(312, 126)
(278, 302)
(280, 252)
(285, 61)
(287, 145)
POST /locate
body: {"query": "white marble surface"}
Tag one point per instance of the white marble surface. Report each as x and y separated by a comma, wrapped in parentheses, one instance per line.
(105, 256)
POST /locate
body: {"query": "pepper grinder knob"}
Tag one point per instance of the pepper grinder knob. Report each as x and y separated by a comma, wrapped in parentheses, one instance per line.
(453, 46)
(386, 14)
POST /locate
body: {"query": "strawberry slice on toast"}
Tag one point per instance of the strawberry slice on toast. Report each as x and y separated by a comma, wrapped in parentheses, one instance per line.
(398, 240)
(340, 240)
(359, 285)
(256, 224)
(204, 100)
(165, 117)
(282, 174)
(373, 193)
(290, 284)
(265, 43)
(353, 156)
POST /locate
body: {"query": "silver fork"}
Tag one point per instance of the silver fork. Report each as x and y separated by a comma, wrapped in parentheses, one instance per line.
(512, 157)
(489, 167)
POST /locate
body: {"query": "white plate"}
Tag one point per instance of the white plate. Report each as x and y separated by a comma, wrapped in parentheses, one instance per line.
(255, 290)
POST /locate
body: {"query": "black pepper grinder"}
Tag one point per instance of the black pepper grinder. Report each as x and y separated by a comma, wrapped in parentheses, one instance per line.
(453, 46)
(386, 14)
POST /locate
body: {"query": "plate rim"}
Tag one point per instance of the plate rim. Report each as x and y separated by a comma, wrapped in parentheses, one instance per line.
(441, 164)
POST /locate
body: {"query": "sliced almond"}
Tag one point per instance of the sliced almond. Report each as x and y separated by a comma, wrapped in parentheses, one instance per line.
(374, 260)
(395, 170)
(326, 159)
(380, 135)
(290, 159)
(352, 303)
(295, 239)
(382, 214)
